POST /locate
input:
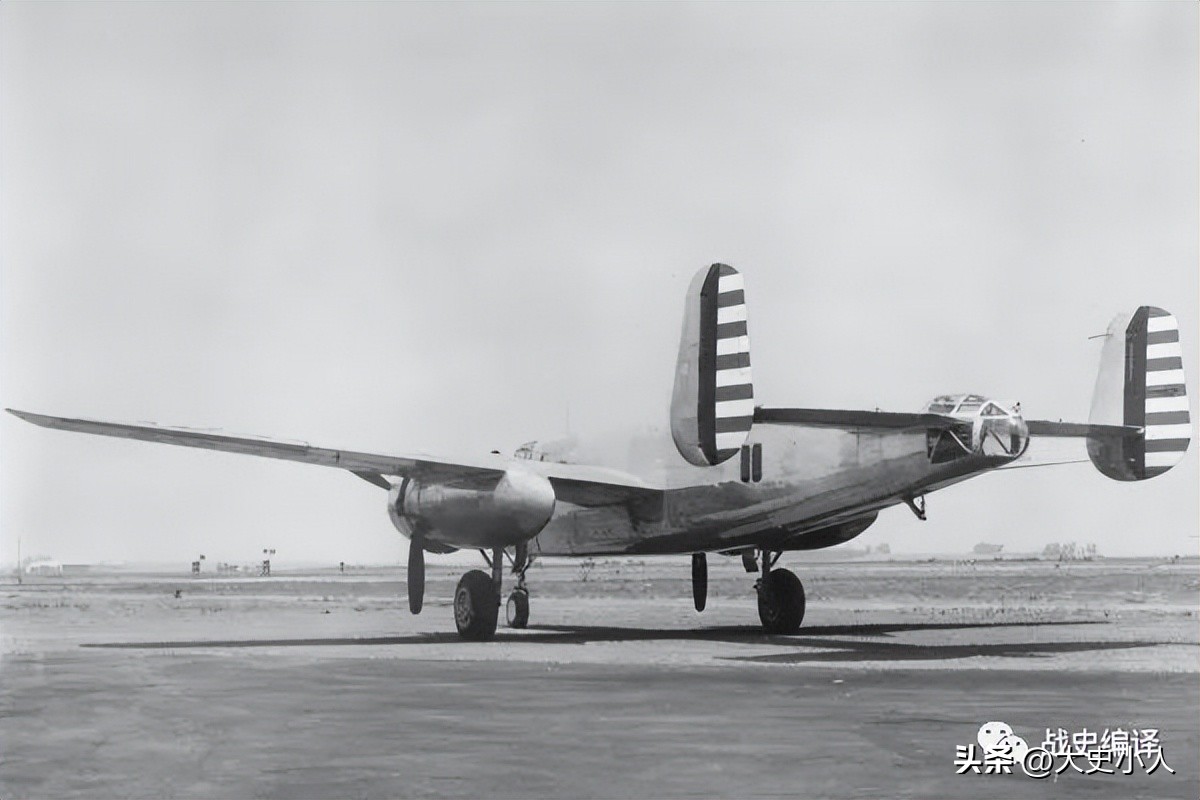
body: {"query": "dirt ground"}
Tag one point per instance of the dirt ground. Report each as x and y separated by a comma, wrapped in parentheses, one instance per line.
(320, 684)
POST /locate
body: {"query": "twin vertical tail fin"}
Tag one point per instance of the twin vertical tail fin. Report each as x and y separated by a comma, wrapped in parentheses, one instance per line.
(1141, 385)
(713, 403)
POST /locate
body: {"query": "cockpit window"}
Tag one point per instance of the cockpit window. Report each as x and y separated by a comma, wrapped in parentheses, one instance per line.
(942, 405)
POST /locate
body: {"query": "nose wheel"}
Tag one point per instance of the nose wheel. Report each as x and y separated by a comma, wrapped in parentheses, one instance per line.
(516, 610)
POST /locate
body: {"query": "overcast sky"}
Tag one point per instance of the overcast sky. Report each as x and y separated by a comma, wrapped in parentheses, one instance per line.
(452, 228)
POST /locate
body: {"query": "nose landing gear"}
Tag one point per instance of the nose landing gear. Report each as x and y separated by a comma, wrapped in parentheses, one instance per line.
(516, 610)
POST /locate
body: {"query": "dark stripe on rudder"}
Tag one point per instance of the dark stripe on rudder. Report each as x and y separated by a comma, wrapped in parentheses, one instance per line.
(743, 391)
(1166, 445)
(706, 366)
(1167, 390)
(1155, 311)
(1162, 337)
(733, 361)
(735, 298)
(1167, 418)
(1160, 364)
(731, 330)
(733, 424)
(725, 269)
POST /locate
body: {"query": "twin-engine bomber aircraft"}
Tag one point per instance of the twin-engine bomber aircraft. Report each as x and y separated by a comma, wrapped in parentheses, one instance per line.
(741, 479)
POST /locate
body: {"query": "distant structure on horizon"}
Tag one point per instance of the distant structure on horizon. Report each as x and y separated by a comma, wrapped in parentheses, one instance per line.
(1069, 551)
(46, 567)
(987, 549)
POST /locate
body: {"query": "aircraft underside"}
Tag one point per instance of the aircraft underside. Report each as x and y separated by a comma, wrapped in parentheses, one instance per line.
(758, 523)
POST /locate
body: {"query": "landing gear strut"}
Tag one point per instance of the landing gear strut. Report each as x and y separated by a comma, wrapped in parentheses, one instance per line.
(516, 610)
(780, 597)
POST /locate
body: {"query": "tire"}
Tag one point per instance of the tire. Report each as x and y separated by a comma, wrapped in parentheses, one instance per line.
(476, 606)
(517, 608)
(781, 602)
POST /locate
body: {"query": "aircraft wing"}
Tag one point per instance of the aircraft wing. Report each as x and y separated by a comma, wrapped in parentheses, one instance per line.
(890, 420)
(852, 420)
(578, 484)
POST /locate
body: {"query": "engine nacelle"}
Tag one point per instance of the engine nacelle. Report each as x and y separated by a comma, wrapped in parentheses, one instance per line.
(511, 512)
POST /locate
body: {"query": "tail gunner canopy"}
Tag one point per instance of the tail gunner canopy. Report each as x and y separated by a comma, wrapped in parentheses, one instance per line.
(984, 427)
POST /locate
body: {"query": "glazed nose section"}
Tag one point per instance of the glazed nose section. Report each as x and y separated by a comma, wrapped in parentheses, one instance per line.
(1006, 436)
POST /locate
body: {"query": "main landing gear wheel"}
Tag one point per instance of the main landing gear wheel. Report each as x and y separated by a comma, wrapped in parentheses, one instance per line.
(517, 608)
(476, 606)
(780, 601)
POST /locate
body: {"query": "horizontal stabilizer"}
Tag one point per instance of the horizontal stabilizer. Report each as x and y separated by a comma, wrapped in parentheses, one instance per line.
(1041, 427)
(853, 420)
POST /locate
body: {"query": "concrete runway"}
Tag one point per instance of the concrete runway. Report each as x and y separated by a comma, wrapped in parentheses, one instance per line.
(322, 685)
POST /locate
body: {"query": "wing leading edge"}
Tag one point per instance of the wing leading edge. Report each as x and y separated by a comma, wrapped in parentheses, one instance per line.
(579, 484)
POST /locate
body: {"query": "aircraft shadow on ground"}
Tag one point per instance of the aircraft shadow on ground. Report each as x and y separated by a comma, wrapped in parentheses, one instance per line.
(875, 647)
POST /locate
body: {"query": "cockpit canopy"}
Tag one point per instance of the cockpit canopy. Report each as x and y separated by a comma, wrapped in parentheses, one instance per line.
(973, 405)
(983, 427)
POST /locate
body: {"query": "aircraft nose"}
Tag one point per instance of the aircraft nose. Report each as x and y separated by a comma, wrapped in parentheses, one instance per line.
(1005, 436)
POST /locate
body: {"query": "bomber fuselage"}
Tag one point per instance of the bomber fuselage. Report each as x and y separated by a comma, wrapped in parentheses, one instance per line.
(816, 488)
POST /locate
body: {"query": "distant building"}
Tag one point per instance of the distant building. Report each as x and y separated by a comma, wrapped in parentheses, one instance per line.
(46, 567)
(986, 549)
(1069, 551)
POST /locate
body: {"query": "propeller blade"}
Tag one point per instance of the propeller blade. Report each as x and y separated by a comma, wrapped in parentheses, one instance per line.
(416, 575)
(699, 580)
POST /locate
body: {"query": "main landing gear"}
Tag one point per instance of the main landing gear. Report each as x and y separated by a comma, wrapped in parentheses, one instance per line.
(477, 598)
(780, 593)
(476, 604)
(780, 597)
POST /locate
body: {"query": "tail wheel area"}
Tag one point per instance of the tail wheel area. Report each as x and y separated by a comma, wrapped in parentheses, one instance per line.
(517, 608)
(476, 606)
(780, 601)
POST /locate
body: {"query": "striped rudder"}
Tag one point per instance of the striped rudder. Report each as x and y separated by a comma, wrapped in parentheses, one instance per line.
(713, 403)
(1141, 384)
